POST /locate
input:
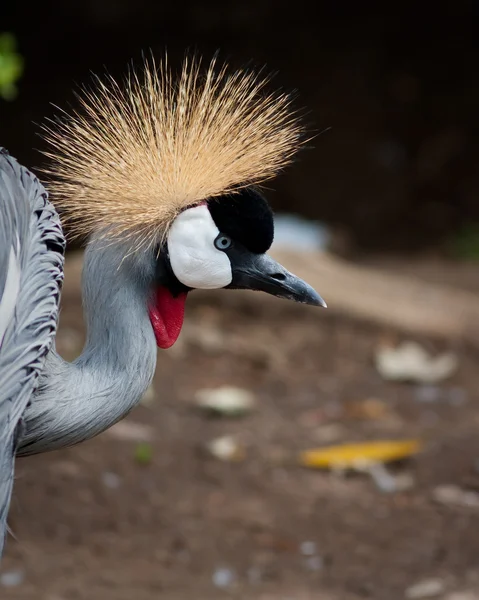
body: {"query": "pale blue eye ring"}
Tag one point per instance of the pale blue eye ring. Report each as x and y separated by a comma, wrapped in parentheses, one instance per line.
(223, 242)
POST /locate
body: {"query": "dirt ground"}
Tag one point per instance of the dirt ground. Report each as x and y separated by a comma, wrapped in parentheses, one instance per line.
(91, 523)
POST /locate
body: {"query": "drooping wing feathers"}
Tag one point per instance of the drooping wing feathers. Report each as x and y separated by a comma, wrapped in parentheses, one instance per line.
(31, 272)
(134, 156)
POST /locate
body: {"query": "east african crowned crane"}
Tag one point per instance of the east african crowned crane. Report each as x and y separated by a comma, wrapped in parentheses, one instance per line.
(163, 176)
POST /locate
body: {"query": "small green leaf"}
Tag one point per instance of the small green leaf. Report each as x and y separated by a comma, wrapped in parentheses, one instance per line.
(143, 453)
(465, 243)
(11, 66)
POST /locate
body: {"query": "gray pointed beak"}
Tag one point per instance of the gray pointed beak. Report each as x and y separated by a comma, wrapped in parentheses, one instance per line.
(262, 273)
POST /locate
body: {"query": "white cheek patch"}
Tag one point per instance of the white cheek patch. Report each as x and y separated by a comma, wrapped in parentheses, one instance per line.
(195, 260)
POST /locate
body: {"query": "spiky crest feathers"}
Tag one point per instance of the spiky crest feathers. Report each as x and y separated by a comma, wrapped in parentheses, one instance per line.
(132, 157)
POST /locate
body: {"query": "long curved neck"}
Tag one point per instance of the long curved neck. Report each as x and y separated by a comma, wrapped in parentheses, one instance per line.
(76, 401)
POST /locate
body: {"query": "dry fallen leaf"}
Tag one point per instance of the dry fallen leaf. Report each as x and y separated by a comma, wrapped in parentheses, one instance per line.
(452, 495)
(359, 456)
(130, 431)
(227, 449)
(463, 595)
(410, 362)
(226, 401)
(370, 409)
(428, 588)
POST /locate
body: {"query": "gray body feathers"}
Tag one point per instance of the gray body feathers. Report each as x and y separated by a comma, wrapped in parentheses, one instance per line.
(31, 273)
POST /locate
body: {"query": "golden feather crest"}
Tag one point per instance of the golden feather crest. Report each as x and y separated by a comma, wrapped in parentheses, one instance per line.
(133, 156)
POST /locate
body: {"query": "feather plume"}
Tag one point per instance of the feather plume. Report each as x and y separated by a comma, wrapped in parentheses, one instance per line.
(135, 155)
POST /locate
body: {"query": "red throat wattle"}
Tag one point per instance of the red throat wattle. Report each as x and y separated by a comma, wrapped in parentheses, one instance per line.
(166, 316)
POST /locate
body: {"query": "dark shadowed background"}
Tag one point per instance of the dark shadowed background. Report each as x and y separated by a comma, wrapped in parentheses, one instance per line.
(397, 85)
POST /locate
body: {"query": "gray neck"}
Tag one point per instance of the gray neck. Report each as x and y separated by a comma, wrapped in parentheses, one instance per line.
(76, 401)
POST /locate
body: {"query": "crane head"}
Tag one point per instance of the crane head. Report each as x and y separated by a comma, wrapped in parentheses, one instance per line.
(175, 162)
(221, 243)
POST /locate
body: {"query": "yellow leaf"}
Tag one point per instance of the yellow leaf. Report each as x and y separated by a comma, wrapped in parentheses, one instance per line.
(359, 456)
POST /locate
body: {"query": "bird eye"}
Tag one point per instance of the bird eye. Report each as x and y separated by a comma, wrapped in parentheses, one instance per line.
(223, 242)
